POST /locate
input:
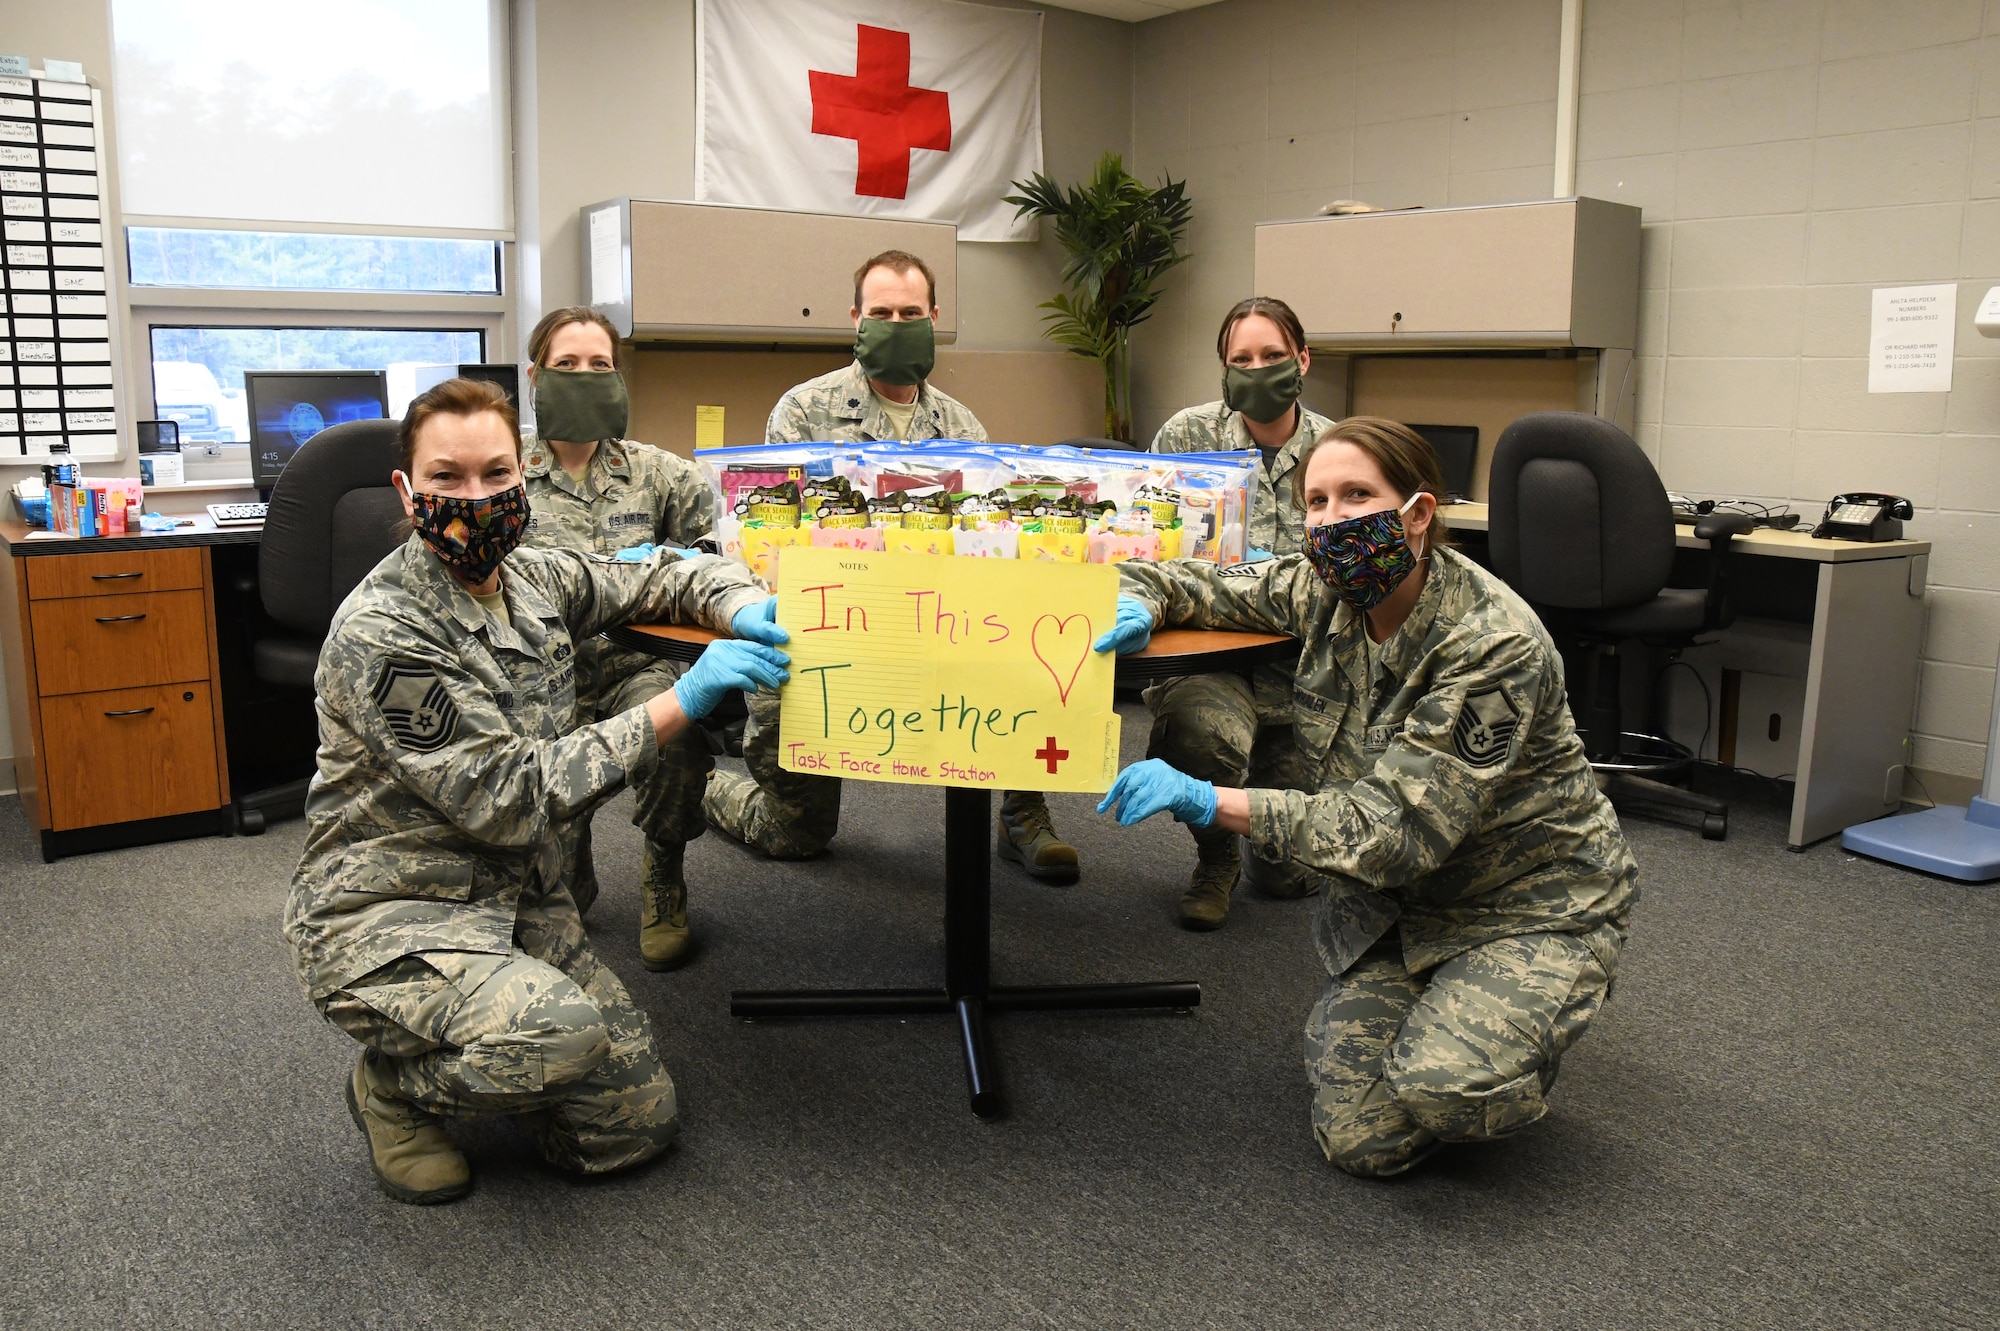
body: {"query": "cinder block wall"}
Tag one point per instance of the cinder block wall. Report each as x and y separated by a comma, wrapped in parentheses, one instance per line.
(1789, 155)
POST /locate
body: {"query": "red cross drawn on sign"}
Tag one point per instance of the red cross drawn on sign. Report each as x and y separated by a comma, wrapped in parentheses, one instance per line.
(1050, 754)
(881, 112)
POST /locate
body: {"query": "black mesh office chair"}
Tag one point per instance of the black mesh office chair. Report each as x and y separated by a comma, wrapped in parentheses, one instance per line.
(334, 515)
(1580, 526)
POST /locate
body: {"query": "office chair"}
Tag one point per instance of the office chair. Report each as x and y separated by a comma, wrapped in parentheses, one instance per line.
(1580, 526)
(334, 515)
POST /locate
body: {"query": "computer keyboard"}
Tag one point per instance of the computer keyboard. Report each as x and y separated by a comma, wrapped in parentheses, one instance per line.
(237, 515)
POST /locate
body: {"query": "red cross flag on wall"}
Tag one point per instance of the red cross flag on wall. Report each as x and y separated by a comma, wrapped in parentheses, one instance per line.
(894, 108)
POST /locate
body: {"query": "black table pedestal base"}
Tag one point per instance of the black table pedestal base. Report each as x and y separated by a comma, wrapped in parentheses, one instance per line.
(968, 992)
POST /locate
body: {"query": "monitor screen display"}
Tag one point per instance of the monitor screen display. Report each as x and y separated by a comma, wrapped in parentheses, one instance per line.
(1457, 448)
(288, 407)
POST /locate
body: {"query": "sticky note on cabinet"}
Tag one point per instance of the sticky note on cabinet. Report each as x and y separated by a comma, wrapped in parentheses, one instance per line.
(708, 427)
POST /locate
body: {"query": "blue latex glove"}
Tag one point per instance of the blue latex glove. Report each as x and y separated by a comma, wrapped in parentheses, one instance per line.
(636, 554)
(1151, 787)
(727, 664)
(1255, 556)
(759, 623)
(1132, 630)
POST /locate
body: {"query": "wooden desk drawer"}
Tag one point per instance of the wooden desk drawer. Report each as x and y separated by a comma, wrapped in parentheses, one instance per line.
(129, 754)
(87, 643)
(51, 576)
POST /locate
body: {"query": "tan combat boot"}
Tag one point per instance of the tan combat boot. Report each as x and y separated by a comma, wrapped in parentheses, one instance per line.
(414, 1160)
(1028, 837)
(663, 917)
(1205, 904)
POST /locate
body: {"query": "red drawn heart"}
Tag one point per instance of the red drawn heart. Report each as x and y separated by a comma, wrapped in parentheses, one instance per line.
(1061, 635)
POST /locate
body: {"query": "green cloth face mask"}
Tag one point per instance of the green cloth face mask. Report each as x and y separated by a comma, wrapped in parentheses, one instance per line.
(893, 351)
(580, 406)
(1263, 395)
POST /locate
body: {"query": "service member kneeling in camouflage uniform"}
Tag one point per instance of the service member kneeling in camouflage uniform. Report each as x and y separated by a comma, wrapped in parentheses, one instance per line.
(605, 495)
(1479, 885)
(430, 916)
(793, 815)
(1232, 728)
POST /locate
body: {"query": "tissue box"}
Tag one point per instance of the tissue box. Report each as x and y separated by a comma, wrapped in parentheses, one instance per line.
(847, 538)
(1061, 547)
(917, 542)
(762, 544)
(1116, 548)
(994, 543)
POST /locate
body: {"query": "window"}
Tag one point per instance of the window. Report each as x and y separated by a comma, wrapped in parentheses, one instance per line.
(198, 372)
(297, 261)
(387, 113)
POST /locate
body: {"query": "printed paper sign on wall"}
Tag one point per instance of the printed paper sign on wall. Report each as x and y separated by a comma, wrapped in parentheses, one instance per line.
(941, 671)
(889, 108)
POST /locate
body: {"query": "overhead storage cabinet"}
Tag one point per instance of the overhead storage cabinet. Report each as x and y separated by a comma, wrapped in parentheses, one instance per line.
(1564, 273)
(710, 272)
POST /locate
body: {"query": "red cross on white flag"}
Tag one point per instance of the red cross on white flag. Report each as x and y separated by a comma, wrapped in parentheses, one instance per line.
(893, 108)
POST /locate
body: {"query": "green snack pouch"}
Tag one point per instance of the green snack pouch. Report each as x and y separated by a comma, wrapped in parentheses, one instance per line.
(770, 505)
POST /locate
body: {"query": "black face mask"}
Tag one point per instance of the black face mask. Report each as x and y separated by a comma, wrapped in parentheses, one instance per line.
(580, 406)
(896, 351)
(471, 536)
(1264, 395)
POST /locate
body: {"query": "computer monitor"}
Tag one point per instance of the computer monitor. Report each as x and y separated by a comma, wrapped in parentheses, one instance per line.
(288, 407)
(423, 378)
(1457, 447)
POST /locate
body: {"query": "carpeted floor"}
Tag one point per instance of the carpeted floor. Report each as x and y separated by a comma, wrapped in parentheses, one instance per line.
(1785, 1117)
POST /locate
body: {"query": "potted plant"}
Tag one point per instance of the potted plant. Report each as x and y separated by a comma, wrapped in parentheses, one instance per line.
(1121, 238)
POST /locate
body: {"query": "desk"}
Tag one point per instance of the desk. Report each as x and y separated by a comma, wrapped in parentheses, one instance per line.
(968, 993)
(1865, 606)
(119, 674)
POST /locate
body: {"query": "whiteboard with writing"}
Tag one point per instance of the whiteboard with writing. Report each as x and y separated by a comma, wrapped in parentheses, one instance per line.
(938, 670)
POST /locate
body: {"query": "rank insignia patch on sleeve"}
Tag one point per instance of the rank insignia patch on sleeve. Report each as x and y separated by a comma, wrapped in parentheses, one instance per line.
(413, 700)
(1486, 725)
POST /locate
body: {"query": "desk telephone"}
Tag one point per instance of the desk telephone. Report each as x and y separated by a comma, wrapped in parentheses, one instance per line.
(1862, 516)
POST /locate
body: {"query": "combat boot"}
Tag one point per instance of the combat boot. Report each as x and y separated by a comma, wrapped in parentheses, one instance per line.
(414, 1160)
(1028, 837)
(663, 917)
(1205, 904)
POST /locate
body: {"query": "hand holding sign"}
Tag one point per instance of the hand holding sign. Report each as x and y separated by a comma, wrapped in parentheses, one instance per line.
(945, 671)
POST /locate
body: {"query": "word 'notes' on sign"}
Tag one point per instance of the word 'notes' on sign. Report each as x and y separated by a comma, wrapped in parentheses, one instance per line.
(948, 672)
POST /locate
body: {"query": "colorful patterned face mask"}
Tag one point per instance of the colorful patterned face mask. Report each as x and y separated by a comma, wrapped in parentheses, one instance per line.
(471, 536)
(1363, 559)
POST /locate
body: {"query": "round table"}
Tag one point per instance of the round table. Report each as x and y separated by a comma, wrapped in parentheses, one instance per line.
(968, 993)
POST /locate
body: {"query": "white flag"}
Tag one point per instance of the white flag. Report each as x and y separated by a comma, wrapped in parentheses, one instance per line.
(890, 108)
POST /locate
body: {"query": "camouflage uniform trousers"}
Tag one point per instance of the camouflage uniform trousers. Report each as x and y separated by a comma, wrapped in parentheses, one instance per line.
(1401, 1063)
(667, 801)
(1208, 727)
(546, 1029)
(786, 815)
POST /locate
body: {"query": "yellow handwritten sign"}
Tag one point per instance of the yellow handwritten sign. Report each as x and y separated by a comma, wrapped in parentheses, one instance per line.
(938, 670)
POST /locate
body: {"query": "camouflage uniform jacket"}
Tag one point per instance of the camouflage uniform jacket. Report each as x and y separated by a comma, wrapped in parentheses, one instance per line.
(1277, 523)
(1452, 793)
(840, 408)
(632, 492)
(450, 761)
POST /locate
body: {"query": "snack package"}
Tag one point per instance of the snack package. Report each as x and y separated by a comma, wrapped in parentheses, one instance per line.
(979, 512)
(819, 489)
(846, 509)
(1061, 515)
(769, 505)
(732, 472)
(929, 510)
(887, 511)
